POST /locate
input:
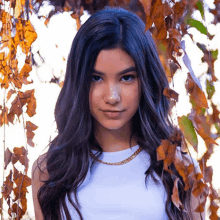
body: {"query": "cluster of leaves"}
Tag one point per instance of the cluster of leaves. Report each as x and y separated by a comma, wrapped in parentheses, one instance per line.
(16, 31)
(168, 21)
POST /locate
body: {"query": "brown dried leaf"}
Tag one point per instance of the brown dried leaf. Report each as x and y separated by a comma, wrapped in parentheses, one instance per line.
(7, 186)
(29, 34)
(199, 188)
(182, 168)
(169, 93)
(208, 174)
(23, 180)
(196, 93)
(16, 174)
(30, 134)
(11, 92)
(16, 108)
(203, 127)
(14, 159)
(7, 157)
(213, 208)
(201, 207)
(16, 209)
(31, 107)
(24, 204)
(24, 73)
(162, 150)
(170, 156)
(175, 195)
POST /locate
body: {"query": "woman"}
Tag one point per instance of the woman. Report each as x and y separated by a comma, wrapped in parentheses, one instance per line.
(111, 115)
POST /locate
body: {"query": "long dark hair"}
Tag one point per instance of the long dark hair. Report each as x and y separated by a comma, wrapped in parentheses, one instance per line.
(67, 160)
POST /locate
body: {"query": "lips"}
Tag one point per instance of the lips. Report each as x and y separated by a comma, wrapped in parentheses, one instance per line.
(112, 114)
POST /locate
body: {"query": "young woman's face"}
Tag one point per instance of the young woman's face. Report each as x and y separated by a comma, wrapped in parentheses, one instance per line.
(114, 87)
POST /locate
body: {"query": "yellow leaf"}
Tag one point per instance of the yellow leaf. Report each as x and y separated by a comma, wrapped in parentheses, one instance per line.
(18, 8)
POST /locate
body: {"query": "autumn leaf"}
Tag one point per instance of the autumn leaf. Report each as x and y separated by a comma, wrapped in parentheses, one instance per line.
(210, 89)
(11, 92)
(7, 186)
(175, 195)
(147, 10)
(208, 174)
(29, 34)
(162, 150)
(16, 209)
(186, 126)
(7, 157)
(198, 188)
(18, 8)
(31, 107)
(24, 73)
(202, 127)
(30, 134)
(213, 208)
(21, 155)
(169, 93)
(196, 92)
(23, 180)
(201, 207)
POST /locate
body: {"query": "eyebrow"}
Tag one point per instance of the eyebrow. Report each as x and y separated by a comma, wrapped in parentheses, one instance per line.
(130, 69)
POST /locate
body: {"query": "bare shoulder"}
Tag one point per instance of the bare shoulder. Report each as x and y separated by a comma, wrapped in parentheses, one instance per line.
(39, 174)
(39, 171)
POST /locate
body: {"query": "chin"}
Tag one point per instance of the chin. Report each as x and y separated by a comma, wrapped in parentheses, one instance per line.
(113, 125)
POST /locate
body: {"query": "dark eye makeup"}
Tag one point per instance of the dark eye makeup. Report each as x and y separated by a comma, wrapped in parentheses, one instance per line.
(96, 78)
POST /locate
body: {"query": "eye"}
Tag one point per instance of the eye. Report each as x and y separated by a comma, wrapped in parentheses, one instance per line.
(95, 78)
(128, 76)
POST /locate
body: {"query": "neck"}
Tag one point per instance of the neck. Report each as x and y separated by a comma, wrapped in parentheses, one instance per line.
(114, 140)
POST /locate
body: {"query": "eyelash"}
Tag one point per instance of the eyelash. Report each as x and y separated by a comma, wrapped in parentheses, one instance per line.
(132, 76)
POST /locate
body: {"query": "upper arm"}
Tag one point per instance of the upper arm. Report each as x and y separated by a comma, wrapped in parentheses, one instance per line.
(37, 177)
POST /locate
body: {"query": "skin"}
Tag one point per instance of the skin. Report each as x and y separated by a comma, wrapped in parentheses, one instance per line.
(108, 91)
(113, 91)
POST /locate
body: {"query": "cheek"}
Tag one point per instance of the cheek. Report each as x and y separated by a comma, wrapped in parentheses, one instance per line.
(132, 96)
(94, 97)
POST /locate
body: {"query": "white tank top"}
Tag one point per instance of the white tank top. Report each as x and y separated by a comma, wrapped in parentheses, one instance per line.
(112, 192)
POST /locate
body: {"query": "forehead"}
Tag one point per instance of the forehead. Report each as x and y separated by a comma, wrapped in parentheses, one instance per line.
(113, 59)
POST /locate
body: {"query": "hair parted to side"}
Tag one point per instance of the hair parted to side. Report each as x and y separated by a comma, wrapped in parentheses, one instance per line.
(67, 160)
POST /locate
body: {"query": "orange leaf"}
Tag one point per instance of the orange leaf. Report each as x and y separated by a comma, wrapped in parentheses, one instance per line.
(175, 195)
(199, 188)
(201, 207)
(29, 34)
(23, 180)
(16, 209)
(31, 107)
(11, 92)
(196, 92)
(162, 150)
(213, 208)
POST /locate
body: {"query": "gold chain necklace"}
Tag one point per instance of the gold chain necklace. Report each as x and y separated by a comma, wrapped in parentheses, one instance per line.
(121, 162)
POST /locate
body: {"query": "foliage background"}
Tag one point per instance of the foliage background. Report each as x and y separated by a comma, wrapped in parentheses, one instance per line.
(32, 62)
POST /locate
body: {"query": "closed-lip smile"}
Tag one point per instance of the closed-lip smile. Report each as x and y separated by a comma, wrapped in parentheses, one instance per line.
(111, 111)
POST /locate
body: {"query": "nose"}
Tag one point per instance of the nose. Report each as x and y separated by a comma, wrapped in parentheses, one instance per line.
(112, 95)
